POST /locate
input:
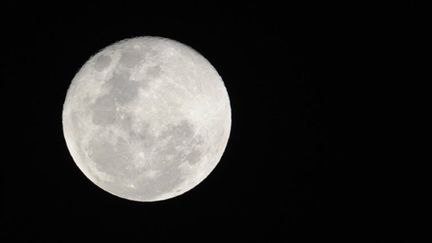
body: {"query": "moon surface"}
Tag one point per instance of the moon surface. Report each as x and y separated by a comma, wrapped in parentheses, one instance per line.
(147, 118)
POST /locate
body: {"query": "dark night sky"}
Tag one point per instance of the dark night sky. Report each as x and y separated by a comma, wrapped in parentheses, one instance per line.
(284, 71)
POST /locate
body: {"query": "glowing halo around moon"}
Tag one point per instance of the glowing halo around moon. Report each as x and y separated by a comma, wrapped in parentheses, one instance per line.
(147, 118)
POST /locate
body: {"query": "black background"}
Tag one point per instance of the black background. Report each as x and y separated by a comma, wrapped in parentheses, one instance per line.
(285, 72)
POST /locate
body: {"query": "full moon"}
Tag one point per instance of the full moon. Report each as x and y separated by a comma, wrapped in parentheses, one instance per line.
(147, 118)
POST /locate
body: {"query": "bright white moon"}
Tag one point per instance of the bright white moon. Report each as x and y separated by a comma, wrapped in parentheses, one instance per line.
(147, 118)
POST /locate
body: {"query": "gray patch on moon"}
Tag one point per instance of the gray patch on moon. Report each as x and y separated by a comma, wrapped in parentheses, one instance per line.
(182, 143)
(176, 141)
(102, 62)
(154, 71)
(111, 158)
(143, 135)
(194, 156)
(103, 110)
(123, 88)
(131, 57)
